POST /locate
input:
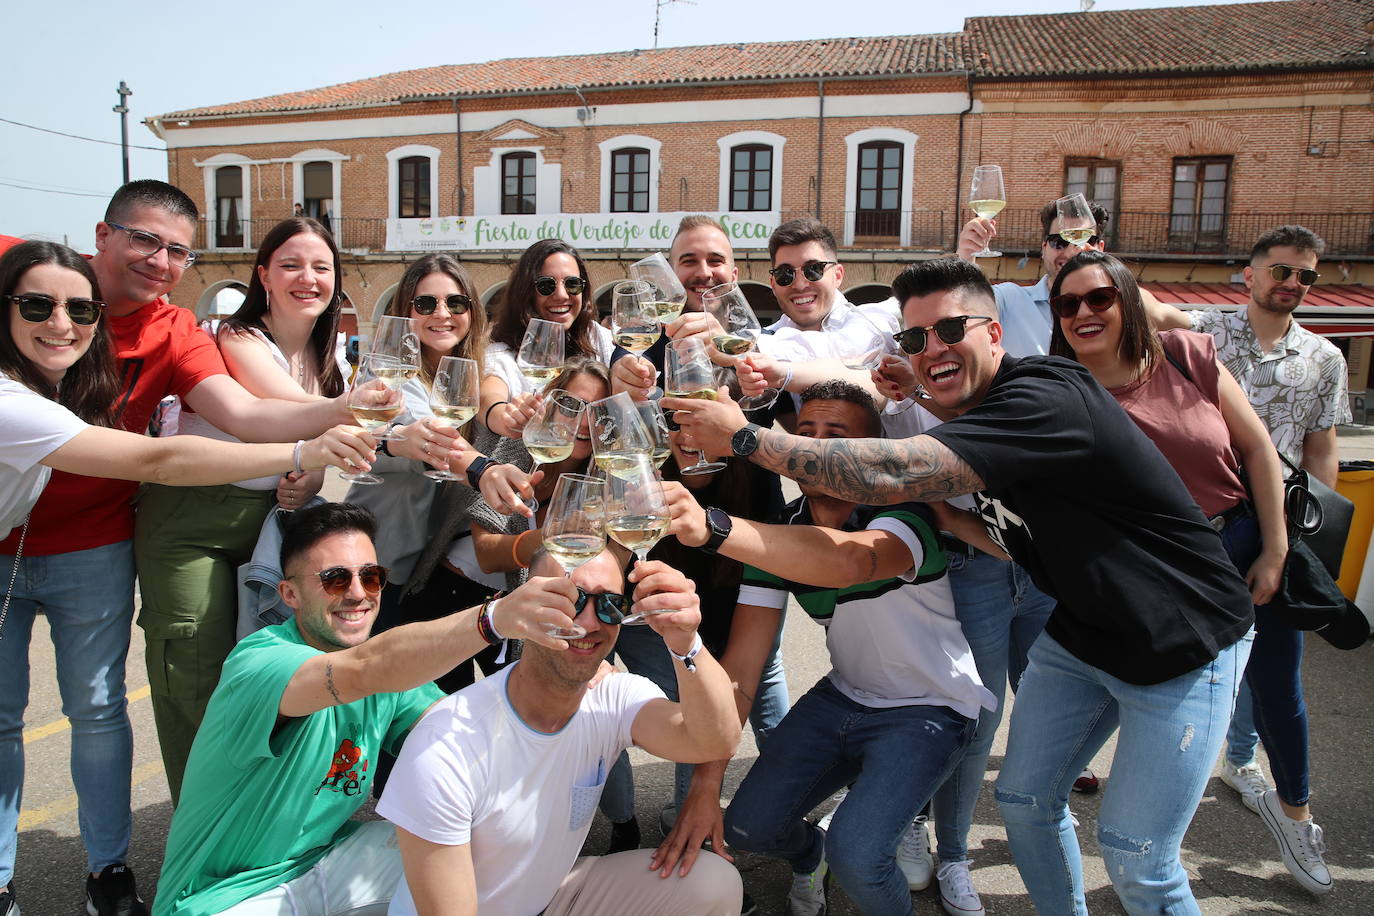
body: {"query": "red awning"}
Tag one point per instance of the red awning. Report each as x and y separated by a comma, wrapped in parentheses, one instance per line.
(1332, 310)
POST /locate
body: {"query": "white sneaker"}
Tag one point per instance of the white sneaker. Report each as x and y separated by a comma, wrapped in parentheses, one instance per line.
(957, 892)
(810, 892)
(1300, 844)
(913, 855)
(1248, 780)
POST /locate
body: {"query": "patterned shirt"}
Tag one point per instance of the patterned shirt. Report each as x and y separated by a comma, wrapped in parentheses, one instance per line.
(1296, 388)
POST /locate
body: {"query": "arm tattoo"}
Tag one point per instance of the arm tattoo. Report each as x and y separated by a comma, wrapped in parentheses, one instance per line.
(870, 471)
(872, 564)
(329, 682)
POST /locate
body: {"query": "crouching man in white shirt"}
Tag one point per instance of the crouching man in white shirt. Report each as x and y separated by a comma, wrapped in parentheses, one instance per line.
(495, 789)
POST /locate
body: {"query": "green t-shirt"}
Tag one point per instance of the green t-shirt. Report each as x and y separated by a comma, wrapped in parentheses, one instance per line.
(261, 804)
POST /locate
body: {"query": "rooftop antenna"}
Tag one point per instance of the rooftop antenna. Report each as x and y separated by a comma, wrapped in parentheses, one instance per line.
(658, 13)
(1085, 5)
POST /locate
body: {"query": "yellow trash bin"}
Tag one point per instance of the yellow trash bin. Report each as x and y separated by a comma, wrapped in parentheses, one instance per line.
(1358, 487)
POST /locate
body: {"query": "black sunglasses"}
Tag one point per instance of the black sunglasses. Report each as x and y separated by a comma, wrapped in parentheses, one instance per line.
(336, 579)
(1059, 243)
(610, 607)
(950, 330)
(1280, 272)
(456, 303)
(545, 286)
(811, 270)
(37, 308)
(1097, 300)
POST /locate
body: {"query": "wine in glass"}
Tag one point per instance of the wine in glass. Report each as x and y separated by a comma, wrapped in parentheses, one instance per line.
(575, 531)
(618, 434)
(634, 316)
(637, 514)
(986, 197)
(657, 425)
(551, 434)
(1076, 221)
(453, 398)
(668, 295)
(855, 339)
(541, 352)
(374, 404)
(689, 375)
(740, 332)
(395, 338)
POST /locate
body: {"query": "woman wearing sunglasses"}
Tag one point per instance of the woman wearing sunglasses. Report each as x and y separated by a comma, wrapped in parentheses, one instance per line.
(58, 408)
(549, 282)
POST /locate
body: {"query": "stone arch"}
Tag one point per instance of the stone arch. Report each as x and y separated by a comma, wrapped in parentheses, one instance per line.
(866, 293)
(219, 300)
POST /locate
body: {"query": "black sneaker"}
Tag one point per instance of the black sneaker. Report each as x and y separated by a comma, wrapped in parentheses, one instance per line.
(114, 893)
(8, 905)
(624, 837)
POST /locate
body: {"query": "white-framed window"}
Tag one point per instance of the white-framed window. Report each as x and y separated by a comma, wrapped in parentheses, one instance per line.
(878, 184)
(317, 180)
(228, 201)
(629, 174)
(412, 181)
(517, 176)
(750, 171)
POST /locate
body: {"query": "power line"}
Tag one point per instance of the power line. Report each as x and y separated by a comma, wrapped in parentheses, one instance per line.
(156, 149)
(44, 185)
(24, 187)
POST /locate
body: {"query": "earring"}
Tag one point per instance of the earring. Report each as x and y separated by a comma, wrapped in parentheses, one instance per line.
(267, 296)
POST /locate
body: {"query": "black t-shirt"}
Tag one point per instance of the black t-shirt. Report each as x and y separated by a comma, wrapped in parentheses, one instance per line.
(1081, 498)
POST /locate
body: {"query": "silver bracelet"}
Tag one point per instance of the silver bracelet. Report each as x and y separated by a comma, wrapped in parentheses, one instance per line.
(296, 456)
(787, 380)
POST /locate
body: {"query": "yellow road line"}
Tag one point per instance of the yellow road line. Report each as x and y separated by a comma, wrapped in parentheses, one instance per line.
(43, 731)
(37, 816)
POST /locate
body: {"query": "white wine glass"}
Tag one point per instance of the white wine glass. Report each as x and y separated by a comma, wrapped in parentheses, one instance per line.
(373, 404)
(634, 318)
(551, 434)
(689, 375)
(453, 398)
(618, 434)
(542, 351)
(395, 337)
(855, 339)
(740, 332)
(637, 515)
(986, 197)
(1076, 222)
(657, 425)
(575, 531)
(669, 296)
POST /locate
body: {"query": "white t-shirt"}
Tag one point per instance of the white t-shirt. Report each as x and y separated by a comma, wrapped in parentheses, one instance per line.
(500, 361)
(34, 427)
(472, 772)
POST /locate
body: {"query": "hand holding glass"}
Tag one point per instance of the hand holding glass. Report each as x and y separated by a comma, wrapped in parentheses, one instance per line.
(575, 531)
(552, 433)
(453, 398)
(690, 375)
(541, 352)
(986, 197)
(373, 404)
(669, 295)
(634, 316)
(741, 331)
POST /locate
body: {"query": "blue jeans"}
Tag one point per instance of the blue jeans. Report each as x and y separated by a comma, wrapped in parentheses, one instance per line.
(892, 759)
(1001, 614)
(643, 652)
(1170, 734)
(88, 598)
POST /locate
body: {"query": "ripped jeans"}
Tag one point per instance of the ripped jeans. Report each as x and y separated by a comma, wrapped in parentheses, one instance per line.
(1170, 735)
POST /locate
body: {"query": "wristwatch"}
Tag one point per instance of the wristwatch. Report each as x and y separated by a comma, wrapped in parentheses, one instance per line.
(745, 440)
(477, 468)
(689, 660)
(721, 525)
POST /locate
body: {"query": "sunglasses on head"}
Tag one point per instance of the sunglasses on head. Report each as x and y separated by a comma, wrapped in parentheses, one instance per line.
(336, 579)
(610, 608)
(573, 285)
(949, 330)
(456, 303)
(1280, 272)
(37, 308)
(1097, 300)
(1059, 243)
(785, 274)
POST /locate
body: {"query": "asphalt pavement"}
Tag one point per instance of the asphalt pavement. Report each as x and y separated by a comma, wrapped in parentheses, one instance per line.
(1231, 859)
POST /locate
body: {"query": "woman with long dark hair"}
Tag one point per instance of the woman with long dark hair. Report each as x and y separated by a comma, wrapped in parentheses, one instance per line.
(57, 388)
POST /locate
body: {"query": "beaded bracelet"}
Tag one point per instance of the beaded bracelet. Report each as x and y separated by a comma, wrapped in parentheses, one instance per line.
(485, 627)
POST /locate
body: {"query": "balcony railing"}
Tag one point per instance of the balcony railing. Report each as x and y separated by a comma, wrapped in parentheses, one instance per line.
(1018, 231)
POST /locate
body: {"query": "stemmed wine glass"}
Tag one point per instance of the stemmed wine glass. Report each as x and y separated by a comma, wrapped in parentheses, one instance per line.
(986, 197)
(618, 434)
(740, 332)
(541, 352)
(856, 340)
(550, 435)
(575, 531)
(453, 398)
(690, 376)
(634, 318)
(657, 425)
(637, 513)
(373, 404)
(668, 295)
(1076, 222)
(395, 338)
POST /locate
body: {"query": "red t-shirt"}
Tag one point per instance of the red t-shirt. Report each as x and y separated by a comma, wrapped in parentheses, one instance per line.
(159, 350)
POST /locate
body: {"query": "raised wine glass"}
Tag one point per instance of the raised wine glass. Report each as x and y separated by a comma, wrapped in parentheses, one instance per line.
(689, 375)
(1076, 222)
(618, 434)
(541, 352)
(374, 404)
(634, 317)
(657, 425)
(986, 197)
(740, 332)
(575, 530)
(637, 513)
(550, 435)
(669, 295)
(395, 337)
(453, 398)
(855, 339)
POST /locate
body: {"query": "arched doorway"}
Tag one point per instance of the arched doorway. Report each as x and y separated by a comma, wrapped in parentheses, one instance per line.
(220, 299)
(867, 293)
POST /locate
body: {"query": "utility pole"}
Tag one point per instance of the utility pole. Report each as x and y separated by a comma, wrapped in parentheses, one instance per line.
(122, 109)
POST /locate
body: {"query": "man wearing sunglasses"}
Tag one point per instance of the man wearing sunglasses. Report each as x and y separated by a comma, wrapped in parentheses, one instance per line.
(289, 746)
(1296, 381)
(494, 793)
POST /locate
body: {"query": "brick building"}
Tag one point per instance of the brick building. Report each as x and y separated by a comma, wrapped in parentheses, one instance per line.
(1198, 127)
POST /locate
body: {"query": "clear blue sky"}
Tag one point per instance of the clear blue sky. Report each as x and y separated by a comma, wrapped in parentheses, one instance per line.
(179, 56)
